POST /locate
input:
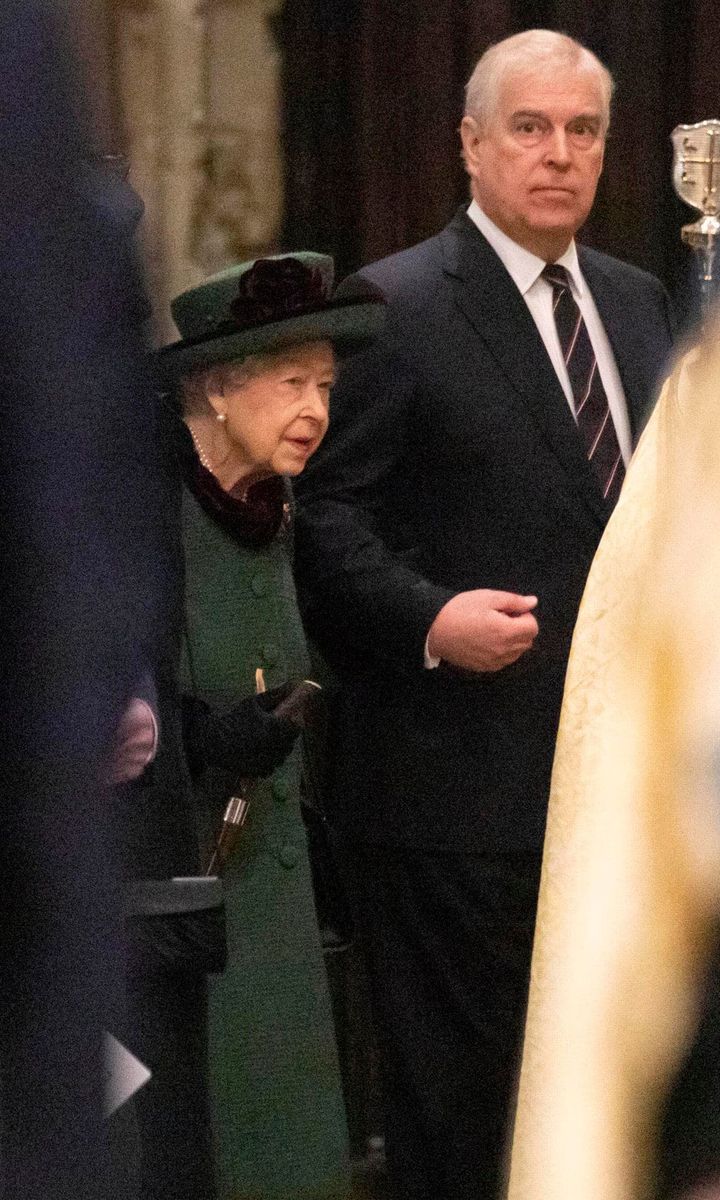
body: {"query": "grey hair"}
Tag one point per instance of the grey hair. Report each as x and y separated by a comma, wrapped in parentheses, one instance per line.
(541, 51)
(196, 387)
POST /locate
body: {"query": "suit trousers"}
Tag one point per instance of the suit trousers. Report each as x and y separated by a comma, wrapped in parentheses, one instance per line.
(448, 939)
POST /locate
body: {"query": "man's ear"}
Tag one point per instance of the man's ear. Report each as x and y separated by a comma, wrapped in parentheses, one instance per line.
(471, 137)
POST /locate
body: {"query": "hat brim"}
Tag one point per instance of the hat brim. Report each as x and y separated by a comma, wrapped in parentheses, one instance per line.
(349, 326)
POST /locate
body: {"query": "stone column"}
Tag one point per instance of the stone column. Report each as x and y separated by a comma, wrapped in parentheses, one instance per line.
(159, 47)
(200, 88)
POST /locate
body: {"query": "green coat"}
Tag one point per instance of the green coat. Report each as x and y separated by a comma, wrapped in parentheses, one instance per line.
(278, 1108)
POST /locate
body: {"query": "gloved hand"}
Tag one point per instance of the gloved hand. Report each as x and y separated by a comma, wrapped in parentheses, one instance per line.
(246, 740)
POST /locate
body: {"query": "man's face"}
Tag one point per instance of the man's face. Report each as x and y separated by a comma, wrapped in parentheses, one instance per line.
(535, 166)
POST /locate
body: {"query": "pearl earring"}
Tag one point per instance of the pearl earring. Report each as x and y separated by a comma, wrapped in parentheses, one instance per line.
(221, 416)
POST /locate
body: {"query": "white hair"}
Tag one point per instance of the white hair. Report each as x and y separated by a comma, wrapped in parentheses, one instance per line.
(219, 377)
(195, 388)
(540, 51)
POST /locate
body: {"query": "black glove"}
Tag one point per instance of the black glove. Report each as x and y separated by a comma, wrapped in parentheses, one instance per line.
(246, 740)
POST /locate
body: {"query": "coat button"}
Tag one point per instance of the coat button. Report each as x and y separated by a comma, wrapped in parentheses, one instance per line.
(260, 584)
(289, 856)
(281, 788)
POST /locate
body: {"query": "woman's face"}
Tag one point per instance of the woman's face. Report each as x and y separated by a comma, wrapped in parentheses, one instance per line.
(278, 418)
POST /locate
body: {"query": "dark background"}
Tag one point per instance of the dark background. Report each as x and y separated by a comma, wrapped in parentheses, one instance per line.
(374, 96)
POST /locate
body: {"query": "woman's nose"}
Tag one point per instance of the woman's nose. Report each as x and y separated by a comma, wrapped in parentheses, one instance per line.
(317, 400)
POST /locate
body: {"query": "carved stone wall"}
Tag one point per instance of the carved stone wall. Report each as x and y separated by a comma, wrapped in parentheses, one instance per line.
(199, 86)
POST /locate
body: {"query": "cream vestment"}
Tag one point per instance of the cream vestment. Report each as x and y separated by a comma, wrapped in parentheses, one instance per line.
(632, 852)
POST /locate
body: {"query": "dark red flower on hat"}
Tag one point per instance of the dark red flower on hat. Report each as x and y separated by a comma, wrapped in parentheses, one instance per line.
(276, 288)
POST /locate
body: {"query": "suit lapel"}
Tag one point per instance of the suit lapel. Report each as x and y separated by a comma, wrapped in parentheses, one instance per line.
(626, 337)
(489, 299)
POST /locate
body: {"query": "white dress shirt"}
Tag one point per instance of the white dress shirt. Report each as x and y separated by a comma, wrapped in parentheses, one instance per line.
(525, 270)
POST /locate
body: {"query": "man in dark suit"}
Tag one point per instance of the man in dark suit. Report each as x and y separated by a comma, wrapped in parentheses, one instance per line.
(83, 599)
(444, 534)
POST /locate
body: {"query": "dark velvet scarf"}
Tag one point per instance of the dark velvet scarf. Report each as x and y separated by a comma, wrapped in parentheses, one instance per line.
(253, 521)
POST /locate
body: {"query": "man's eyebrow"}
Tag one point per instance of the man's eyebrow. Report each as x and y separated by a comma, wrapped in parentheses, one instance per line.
(530, 112)
(593, 119)
(538, 114)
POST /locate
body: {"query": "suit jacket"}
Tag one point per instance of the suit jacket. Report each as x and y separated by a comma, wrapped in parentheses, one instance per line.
(82, 601)
(453, 462)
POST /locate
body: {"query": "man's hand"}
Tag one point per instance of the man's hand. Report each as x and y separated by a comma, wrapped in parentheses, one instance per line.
(135, 742)
(483, 630)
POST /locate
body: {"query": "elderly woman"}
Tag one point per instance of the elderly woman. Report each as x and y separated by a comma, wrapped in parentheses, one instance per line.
(253, 373)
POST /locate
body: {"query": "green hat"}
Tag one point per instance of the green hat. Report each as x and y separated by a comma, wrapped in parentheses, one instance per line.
(260, 306)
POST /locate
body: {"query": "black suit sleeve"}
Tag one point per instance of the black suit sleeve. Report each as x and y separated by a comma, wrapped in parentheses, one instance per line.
(363, 596)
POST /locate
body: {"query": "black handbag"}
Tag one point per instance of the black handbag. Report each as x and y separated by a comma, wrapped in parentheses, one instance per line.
(177, 922)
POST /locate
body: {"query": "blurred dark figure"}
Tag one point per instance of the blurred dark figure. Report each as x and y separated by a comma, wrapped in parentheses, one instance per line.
(689, 1140)
(82, 597)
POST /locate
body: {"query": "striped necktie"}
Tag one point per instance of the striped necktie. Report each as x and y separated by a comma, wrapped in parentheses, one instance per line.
(592, 411)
